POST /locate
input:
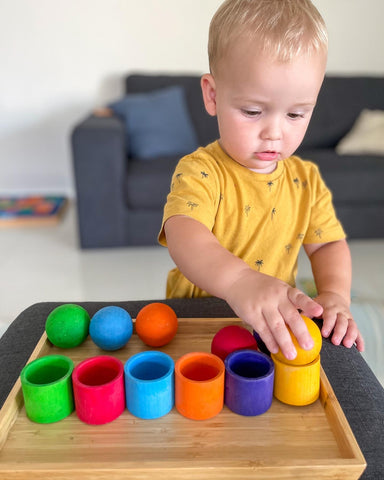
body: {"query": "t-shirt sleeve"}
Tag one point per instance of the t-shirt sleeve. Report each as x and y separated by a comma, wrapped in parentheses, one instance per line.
(324, 225)
(194, 192)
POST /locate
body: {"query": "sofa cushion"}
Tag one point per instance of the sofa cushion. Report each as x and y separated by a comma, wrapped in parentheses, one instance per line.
(340, 101)
(205, 126)
(366, 136)
(147, 183)
(157, 123)
(351, 178)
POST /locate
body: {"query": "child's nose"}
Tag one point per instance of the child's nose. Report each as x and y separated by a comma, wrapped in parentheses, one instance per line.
(271, 130)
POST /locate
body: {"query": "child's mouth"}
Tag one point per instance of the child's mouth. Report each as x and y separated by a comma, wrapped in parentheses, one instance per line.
(267, 156)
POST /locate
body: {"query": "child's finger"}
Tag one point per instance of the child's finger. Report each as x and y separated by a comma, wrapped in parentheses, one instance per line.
(302, 302)
(351, 334)
(340, 329)
(360, 342)
(298, 300)
(279, 330)
(299, 330)
(268, 338)
(329, 322)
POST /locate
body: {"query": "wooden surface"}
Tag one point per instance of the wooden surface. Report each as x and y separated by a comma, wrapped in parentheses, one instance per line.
(284, 443)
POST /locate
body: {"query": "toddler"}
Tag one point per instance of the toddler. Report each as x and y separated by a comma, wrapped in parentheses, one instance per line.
(240, 209)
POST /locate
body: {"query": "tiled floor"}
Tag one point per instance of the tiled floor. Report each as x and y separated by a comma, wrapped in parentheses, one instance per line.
(45, 264)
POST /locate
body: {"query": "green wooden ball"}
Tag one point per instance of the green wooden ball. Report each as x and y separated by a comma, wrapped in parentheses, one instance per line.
(67, 326)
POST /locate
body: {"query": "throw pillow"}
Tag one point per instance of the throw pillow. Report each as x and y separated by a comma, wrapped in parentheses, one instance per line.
(366, 135)
(157, 123)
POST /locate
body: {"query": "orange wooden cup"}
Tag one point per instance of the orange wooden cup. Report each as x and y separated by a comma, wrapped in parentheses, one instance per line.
(199, 385)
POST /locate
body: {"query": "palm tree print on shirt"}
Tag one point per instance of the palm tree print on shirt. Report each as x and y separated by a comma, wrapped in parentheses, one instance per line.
(318, 232)
(192, 205)
(247, 209)
(259, 264)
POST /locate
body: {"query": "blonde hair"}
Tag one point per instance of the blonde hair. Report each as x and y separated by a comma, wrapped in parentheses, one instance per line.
(282, 28)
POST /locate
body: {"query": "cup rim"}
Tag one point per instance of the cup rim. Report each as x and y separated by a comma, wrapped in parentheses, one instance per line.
(83, 364)
(219, 362)
(147, 355)
(46, 359)
(255, 353)
(294, 366)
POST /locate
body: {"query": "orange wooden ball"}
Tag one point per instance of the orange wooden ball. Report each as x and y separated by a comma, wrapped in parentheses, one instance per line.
(156, 324)
(304, 357)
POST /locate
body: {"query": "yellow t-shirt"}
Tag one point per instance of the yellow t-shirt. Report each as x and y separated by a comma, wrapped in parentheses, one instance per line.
(261, 218)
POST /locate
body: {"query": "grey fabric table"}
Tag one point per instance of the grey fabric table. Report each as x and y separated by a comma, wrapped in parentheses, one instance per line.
(359, 393)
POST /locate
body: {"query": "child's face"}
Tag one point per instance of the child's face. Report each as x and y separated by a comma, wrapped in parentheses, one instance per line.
(263, 106)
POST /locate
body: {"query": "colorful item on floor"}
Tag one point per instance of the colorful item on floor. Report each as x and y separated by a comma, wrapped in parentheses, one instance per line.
(19, 209)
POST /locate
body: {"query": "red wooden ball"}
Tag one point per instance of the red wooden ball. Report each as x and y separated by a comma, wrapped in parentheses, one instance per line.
(232, 338)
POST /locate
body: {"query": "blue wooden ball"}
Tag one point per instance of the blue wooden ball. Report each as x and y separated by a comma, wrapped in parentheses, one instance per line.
(111, 328)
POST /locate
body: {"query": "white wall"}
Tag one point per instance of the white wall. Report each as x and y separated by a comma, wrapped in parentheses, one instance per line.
(356, 35)
(61, 58)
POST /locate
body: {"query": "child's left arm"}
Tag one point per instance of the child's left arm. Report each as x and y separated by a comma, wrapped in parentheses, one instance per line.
(332, 271)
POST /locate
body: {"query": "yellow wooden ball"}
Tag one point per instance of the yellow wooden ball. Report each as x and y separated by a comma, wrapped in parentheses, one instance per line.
(304, 356)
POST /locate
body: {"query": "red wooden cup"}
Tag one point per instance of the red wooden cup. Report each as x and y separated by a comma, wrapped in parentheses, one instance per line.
(98, 387)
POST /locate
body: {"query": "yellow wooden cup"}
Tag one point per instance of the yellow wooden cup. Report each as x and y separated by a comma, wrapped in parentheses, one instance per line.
(297, 384)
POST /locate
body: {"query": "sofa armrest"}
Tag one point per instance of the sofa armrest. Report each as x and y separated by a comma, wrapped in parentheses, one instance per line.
(99, 159)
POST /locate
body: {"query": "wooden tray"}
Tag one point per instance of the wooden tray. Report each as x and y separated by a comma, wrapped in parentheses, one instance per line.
(284, 443)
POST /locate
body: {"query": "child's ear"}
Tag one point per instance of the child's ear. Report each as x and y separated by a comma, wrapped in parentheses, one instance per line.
(208, 87)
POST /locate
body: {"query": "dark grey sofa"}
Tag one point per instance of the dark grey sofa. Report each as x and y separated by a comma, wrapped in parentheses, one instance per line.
(120, 199)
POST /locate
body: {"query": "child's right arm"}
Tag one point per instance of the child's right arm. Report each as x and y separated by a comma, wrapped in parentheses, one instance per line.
(264, 302)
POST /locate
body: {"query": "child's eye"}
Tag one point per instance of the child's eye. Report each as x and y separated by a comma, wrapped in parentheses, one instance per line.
(251, 113)
(293, 116)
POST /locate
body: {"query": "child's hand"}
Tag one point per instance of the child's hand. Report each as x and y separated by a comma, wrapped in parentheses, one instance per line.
(337, 317)
(269, 305)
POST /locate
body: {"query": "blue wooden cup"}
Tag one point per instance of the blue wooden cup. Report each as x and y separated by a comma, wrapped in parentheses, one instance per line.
(149, 384)
(249, 377)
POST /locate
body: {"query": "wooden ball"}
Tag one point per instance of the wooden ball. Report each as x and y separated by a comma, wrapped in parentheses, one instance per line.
(304, 357)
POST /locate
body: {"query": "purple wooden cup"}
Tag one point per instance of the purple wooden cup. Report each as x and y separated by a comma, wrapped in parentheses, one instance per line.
(249, 377)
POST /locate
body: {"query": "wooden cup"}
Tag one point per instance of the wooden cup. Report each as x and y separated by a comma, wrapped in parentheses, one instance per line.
(149, 384)
(47, 388)
(98, 387)
(297, 384)
(199, 385)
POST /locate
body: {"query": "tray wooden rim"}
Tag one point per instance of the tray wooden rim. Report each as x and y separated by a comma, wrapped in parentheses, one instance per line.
(353, 460)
